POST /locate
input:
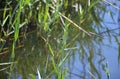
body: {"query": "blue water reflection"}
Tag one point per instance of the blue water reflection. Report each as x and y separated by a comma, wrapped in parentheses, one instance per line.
(109, 51)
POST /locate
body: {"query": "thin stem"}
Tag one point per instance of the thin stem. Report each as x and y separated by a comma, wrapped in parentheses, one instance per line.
(111, 4)
(80, 28)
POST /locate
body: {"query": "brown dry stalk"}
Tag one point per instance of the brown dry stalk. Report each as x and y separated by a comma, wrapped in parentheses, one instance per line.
(6, 50)
(80, 28)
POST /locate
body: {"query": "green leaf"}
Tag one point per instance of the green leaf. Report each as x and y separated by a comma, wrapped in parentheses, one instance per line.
(64, 73)
(92, 5)
(46, 12)
(54, 66)
(119, 52)
(32, 76)
(5, 20)
(39, 76)
(46, 27)
(8, 63)
(51, 51)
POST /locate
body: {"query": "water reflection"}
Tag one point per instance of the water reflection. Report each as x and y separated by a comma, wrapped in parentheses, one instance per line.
(85, 60)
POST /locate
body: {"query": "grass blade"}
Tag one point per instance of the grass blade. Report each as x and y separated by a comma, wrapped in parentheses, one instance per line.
(39, 76)
(8, 63)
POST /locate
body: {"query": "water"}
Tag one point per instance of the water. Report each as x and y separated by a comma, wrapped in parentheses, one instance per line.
(107, 54)
(87, 59)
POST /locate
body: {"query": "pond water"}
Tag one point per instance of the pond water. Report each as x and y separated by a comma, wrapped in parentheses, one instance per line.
(109, 55)
(82, 60)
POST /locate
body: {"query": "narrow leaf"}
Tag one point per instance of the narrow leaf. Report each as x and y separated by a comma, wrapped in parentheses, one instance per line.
(39, 76)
